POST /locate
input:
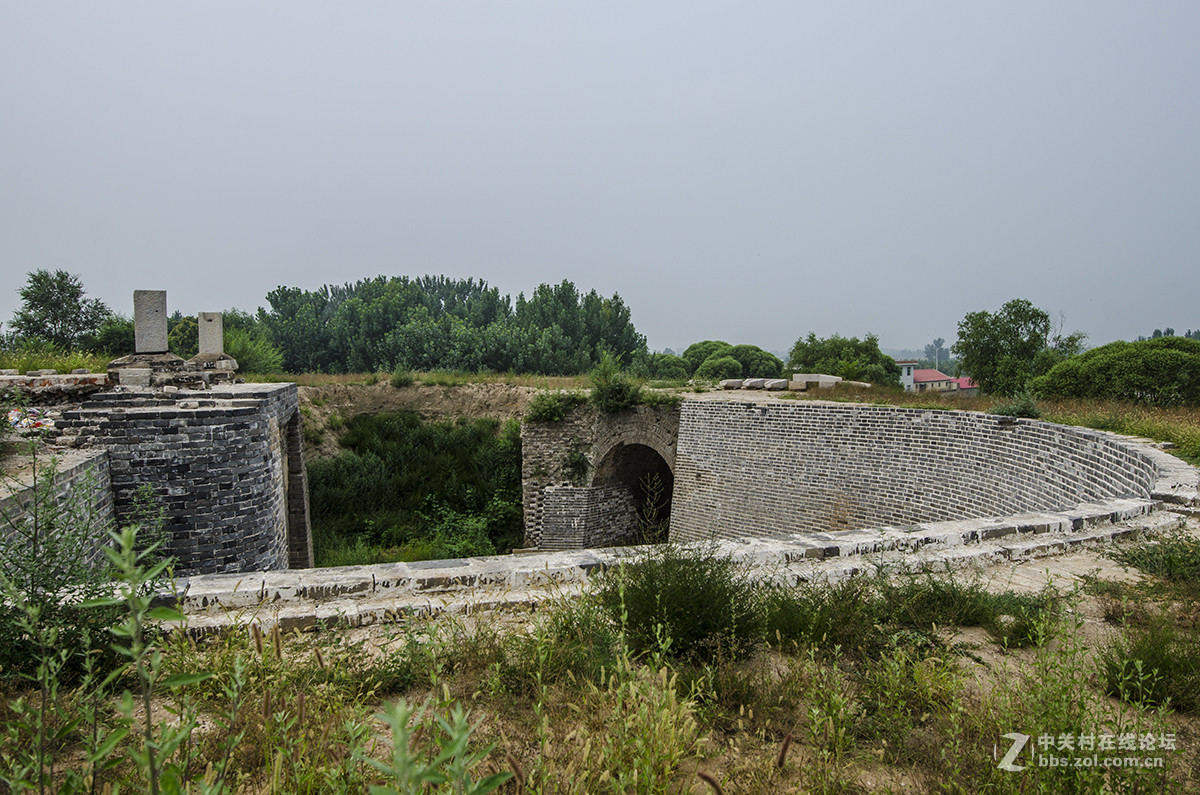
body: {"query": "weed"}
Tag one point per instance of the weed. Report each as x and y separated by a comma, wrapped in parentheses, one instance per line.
(401, 378)
(612, 390)
(553, 406)
(1023, 405)
(1154, 663)
(707, 604)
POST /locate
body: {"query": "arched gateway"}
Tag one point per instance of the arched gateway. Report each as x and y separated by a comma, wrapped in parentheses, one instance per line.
(597, 479)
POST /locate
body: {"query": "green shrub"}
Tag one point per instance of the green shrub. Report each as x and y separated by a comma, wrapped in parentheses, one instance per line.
(661, 399)
(1023, 405)
(718, 368)
(553, 406)
(53, 560)
(418, 489)
(1161, 372)
(706, 605)
(612, 390)
(401, 378)
(253, 351)
(1155, 663)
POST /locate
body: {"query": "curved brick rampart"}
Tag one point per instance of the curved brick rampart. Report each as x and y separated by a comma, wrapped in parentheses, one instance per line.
(756, 469)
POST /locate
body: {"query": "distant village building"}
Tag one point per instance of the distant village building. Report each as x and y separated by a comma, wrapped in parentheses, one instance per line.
(915, 379)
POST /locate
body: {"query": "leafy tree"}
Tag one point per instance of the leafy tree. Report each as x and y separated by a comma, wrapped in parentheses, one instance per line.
(847, 357)
(697, 352)
(115, 337)
(1164, 371)
(756, 363)
(1004, 350)
(183, 335)
(669, 366)
(54, 308)
(716, 368)
(434, 323)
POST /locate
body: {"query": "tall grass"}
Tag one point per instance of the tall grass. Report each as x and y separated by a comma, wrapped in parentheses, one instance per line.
(38, 355)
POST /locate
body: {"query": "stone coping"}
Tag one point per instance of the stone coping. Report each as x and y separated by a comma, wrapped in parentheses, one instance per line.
(220, 593)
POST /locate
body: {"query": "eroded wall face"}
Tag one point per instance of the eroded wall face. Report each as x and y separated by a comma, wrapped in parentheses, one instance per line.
(746, 469)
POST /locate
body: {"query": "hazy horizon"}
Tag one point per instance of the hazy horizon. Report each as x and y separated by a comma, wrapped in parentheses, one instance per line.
(749, 173)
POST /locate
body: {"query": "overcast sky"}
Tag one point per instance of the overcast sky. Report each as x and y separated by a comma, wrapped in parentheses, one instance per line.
(742, 171)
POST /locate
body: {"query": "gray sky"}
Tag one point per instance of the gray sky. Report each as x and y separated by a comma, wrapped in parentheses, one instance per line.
(742, 171)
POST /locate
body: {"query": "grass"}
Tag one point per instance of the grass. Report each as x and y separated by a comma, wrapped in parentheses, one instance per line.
(578, 697)
(23, 360)
(430, 378)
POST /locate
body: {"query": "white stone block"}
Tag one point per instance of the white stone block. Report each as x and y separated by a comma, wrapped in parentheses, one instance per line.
(150, 321)
(731, 383)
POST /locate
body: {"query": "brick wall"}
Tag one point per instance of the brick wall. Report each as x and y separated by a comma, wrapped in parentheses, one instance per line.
(224, 465)
(82, 489)
(752, 469)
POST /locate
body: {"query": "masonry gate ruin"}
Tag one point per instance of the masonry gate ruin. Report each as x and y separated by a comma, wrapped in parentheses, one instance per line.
(736, 469)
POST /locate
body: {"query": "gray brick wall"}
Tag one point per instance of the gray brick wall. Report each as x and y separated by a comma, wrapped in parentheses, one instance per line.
(225, 467)
(82, 487)
(748, 469)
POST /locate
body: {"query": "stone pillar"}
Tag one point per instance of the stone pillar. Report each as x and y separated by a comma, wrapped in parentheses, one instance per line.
(212, 333)
(150, 321)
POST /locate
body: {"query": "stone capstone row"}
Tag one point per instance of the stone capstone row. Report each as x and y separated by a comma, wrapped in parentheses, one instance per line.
(396, 592)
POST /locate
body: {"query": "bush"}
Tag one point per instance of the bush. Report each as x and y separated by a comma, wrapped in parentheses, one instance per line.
(706, 605)
(253, 351)
(612, 390)
(53, 561)
(401, 378)
(1154, 664)
(756, 363)
(553, 406)
(1158, 372)
(1023, 405)
(718, 368)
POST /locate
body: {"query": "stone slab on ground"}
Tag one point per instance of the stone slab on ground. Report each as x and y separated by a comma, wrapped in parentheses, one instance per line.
(363, 595)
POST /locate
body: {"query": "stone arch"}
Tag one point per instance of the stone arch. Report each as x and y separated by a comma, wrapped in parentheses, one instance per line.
(646, 476)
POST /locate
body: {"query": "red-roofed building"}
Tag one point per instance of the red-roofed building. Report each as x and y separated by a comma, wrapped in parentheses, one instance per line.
(917, 379)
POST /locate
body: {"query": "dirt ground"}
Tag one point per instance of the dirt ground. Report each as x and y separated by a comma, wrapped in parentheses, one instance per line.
(324, 407)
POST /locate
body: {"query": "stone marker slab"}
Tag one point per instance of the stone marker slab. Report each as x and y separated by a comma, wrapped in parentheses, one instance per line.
(731, 383)
(150, 321)
(776, 384)
(212, 333)
(135, 376)
(754, 383)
